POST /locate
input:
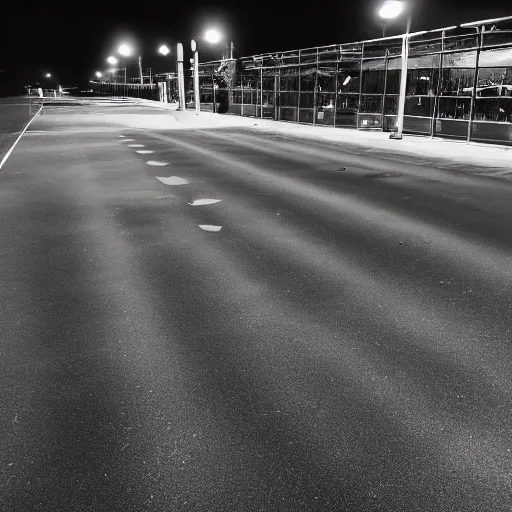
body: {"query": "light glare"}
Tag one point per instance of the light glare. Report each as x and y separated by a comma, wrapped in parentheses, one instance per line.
(98, 74)
(164, 50)
(112, 60)
(391, 9)
(125, 50)
(212, 36)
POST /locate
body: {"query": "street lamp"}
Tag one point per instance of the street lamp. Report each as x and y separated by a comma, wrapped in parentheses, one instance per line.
(390, 10)
(48, 75)
(99, 74)
(213, 36)
(112, 60)
(164, 50)
(125, 50)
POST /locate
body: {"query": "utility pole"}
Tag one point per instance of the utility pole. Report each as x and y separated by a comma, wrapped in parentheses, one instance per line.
(140, 70)
(196, 76)
(181, 78)
(403, 83)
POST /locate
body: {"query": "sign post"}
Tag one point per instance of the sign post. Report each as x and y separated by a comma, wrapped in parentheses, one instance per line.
(181, 78)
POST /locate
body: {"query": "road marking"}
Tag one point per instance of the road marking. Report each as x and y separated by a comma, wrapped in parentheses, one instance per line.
(135, 145)
(144, 151)
(208, 227)
(121, 136)
(157, 163)
(127, 140)
(172, 180)
(201, 202)
(4, 159)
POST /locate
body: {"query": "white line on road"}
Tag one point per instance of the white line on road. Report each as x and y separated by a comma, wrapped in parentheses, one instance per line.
(144, 151)
(208, 227)
(4, 159)
(157, 163)
(201, 202)
(135, 145)
(121, 136)
(172, 180)
(127, 140)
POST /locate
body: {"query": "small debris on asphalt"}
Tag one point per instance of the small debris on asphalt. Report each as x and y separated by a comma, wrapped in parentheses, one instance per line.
(400, 243)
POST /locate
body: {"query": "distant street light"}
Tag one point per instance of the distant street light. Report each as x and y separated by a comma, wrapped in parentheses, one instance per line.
(164, 50)
(99, 74)
(125, 50)
(112, 60)
(48, 75)
(391, 9)
(212, 36)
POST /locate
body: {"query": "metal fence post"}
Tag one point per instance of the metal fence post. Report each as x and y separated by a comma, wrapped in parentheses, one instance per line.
(360, 86)
(335, 93)
(298, 91)
(261, 96)
(315, 89)
(438, 88)
(383, 111)
(242, 106)
(480, 35)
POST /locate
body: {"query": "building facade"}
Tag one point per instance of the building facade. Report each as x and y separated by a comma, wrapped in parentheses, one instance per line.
(459, 84)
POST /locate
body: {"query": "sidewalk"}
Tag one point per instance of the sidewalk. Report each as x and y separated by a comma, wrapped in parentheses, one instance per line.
(497, 159)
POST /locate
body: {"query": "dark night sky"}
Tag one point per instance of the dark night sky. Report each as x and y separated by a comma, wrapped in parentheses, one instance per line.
(72, 39)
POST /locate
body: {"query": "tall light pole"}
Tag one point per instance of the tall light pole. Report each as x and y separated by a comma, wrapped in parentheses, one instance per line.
(390, 10)
(126, 51)
(163, 50)
(193, 47)
(213, 36)
(113, 61)
(181, 78)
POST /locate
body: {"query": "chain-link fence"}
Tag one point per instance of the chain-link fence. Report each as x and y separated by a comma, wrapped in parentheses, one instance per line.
(106, 89)
(459, 84)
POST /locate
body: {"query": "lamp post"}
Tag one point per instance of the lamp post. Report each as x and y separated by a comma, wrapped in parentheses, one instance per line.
(390, 10)
(113, 61)
(193, 47)
(163, 50)
(181, 78)
(213, 36)
(126, 51)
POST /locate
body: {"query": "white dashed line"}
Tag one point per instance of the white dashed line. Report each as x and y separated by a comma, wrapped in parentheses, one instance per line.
(172, 180)
(4, 159)
(121, 136)
(127, 140)
(201, 202)
(144, 151)
(135, 145)
(156, 163)
(212, 229)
